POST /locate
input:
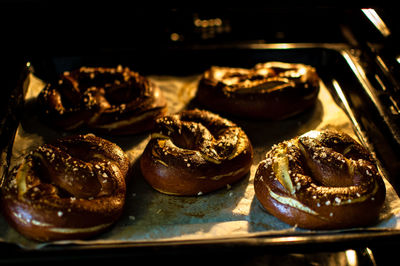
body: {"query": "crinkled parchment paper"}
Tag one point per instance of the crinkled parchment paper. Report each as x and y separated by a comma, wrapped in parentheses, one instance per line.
(150, 216)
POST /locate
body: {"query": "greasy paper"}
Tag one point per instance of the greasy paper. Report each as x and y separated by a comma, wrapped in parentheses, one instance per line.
(150, 216)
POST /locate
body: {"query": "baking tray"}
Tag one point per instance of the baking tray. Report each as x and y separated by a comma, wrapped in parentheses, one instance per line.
(176, 70)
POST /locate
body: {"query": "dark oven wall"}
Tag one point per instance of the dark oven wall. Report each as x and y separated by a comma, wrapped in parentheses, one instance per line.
(38, 26)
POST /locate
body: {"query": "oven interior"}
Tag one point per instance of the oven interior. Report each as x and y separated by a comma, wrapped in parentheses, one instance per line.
(185, 41)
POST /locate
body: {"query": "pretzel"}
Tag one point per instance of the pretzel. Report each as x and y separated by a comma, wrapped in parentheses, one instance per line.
(114, 101)
(273, 90)
(72, 189)
(320, 180)
(195, 152)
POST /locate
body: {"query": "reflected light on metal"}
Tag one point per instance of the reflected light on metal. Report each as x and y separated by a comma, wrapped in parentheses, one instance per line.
(204, 23)
(398, 59)
(382, 64)
(340, 93)
(285, 45)
(289, 239)
(371, 14)
(345, 103)
(351, 256)
(380, 82)
(370, 255)
(358, 70)
(174, 36)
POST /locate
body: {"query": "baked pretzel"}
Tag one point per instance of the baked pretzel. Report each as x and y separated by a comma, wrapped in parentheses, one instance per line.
(272, 90)
(115, 101)
(74, 188)
(195, 152)
(320, 180)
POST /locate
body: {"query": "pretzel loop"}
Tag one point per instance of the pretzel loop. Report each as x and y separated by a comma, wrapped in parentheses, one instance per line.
(70, 189)
(112, 100)
(195, 145)
(320, 180)
(272, 90)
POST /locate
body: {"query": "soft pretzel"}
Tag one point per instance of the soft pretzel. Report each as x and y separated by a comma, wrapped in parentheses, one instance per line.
(272, 90)
(115, 101)
(320, 180)
(195, 152)
(74, 188)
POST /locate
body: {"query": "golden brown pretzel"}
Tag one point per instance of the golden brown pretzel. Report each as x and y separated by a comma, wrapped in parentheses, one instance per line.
(195, 152)
(320, 180)
(272, 90)
(74, 188)
(109, 100)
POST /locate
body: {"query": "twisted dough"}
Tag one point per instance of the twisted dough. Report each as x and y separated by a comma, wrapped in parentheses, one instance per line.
(195, 152)
(115, 101)
(320, 180)
(73, 188)
(272, 90)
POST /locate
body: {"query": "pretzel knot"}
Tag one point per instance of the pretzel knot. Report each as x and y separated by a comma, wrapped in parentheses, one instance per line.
(272, 90)
(320, 180)
(73, 188)
(109, 100)
(195, 152)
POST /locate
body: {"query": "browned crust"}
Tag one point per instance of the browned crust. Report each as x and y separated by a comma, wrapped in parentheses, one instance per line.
(74, 188)
(172, 166)
(335, 182)
(115, 101)
(266, 91)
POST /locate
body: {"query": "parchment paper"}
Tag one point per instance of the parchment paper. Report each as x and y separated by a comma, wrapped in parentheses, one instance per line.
(150, 216)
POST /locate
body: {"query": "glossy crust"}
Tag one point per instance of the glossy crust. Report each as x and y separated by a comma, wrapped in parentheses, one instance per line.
(115, 101)
(320, 180)
(72, 189)
(272, 90)
(195, 152)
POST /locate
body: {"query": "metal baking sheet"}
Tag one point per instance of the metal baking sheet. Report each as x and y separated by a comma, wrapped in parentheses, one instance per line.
(228, 214)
